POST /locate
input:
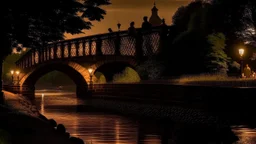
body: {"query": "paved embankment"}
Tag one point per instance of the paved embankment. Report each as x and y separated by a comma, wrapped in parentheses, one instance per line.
(22, 123)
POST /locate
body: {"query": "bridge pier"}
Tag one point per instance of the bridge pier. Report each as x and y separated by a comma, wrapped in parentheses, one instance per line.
(81, 91)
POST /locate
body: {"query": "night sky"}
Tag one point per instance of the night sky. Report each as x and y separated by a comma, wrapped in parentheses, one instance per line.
(125, 11)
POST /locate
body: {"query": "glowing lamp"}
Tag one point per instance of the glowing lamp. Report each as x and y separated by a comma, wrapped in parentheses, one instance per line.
(241, 52)
(90, 70)
(17, 72)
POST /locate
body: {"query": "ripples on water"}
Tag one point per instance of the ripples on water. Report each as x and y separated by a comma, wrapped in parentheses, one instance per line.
(103, 128)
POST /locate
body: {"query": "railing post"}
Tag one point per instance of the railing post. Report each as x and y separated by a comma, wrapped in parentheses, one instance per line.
(69, 49)
(117, 44)
(138, 45)
(62, 50)
(163, 44)
(55, 51)
(98, 46)
(90, 47)
(84, 47)
(39, 56)
(77, 48)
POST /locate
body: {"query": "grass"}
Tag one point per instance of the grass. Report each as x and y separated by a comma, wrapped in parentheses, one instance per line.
(215, 80)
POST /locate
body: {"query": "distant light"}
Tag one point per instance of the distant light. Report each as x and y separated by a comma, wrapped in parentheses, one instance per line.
(241, 51)
(17, 72)
(42, 95)
(90, 70)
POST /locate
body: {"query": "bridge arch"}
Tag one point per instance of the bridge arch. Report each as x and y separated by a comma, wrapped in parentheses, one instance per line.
(110, 67)
(73, 70)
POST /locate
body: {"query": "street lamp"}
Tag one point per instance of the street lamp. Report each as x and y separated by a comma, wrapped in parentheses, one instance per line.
(12, 72)
(18, 79)
(241, 53)
(90, 72)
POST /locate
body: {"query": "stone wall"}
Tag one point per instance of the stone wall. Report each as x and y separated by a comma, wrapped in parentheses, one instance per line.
(213, 98)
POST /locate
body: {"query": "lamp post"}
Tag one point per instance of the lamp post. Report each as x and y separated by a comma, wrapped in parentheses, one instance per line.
(12, 72)
(241, 53)
(90, 72)
(18, 78)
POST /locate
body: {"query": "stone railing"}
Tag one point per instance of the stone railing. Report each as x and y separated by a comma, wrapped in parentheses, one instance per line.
(116, 43)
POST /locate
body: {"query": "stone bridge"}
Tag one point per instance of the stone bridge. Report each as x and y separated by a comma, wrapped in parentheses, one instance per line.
(75, 57)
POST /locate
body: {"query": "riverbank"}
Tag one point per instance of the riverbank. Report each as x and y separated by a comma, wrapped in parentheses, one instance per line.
(175, 113)
(21, 122)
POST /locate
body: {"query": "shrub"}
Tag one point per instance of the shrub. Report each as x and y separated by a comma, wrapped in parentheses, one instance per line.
(151, 69)
(61, 128)
(100, 78)
(52, 122)
(4, 137)
(128, 75)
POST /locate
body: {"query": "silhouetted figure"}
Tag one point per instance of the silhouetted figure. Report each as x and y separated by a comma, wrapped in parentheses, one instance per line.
(247, 71)
(146, 25)
(163, 23)
(110, 30)
(147, 40)
(164, 27)
(131, 29)
(163, 45)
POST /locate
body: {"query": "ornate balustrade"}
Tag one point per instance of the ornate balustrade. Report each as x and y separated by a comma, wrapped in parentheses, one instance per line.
(116, 43)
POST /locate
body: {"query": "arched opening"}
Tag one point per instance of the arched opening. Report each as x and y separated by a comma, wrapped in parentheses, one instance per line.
(55, 80)
(71, 76)
(116, 72)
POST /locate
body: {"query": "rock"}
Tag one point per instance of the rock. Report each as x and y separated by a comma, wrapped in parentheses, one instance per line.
(52, 122)
(61, 128)
(76, 140)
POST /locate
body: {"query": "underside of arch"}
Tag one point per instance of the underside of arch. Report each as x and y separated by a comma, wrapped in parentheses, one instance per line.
(111, 67)
(74, 71)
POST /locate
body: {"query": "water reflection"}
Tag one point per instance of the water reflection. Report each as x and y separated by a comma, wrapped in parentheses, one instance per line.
(102, 128)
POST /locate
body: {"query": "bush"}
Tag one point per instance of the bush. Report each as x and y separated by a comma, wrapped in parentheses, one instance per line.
(128, 75)
(151, 69)
(52, 122)
(235, 65)
(61, 128)
(76, 140)
(4, 137)
(100, 78)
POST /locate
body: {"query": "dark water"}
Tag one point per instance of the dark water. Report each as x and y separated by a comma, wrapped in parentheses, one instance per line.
(104, 128)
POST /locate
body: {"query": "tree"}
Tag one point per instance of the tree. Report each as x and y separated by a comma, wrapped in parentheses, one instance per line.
(236, 19)
(36, 23)
(184, 14)
(189, 46)
(217, 59)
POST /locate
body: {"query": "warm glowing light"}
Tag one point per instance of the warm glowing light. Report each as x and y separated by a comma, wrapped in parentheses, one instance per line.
(90, 70)
(12, 72)
(42, 95)
(17, 72)
(241, 52)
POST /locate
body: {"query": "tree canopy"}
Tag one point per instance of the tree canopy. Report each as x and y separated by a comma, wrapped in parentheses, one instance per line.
(36, 23)
(214, 22)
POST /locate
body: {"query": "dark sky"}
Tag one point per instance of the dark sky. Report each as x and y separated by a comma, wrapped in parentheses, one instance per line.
(125, 11)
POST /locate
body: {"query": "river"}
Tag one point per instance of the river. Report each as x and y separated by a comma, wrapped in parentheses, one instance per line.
(104, 128)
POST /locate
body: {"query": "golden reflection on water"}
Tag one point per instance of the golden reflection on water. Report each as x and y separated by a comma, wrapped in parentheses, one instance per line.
(42, 104)
(100, 128)
(246, 135)
(95, 128)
